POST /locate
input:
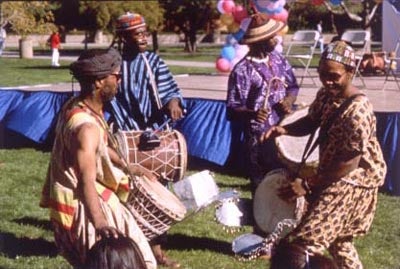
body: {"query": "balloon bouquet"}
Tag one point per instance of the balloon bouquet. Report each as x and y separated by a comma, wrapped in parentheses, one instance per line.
(236, 19)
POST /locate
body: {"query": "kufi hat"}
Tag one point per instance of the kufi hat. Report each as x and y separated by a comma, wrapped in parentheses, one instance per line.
(260, 28)
(341, 52)
(96, 63)
(129, 21)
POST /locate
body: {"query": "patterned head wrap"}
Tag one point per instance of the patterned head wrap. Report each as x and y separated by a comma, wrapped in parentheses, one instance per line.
(129, 21)
(341, 52)
(96, 63)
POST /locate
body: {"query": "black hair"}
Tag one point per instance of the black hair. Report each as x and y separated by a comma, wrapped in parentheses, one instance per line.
(115, 253)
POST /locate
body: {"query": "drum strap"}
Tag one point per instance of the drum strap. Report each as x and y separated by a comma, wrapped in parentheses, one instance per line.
(324, 130)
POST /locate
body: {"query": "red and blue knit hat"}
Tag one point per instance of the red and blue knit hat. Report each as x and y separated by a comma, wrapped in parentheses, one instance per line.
(129, 21)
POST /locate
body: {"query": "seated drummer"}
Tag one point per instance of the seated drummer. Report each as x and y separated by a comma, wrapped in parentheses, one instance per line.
(148, 95)
(343, 195)
(248, 87)
(86, 188)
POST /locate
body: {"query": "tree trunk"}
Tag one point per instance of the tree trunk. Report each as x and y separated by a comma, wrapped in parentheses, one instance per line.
(25, 48)
(154, 38)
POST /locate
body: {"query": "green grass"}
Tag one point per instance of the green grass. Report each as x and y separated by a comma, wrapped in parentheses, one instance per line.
(26, 240)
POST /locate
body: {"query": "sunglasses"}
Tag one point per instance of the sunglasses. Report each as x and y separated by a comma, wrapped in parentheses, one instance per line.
(117, 76)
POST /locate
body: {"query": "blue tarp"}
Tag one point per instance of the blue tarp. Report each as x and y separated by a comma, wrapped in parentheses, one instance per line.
(209, 135)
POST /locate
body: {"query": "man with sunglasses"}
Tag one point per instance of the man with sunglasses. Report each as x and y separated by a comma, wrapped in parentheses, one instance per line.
(148, 98)
(148, 93)
(87, 185)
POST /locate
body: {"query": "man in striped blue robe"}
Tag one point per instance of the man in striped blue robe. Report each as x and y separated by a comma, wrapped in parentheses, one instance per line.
(148, 94)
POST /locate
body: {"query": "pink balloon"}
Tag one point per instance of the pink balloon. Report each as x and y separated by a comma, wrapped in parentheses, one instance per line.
(239, 13)
(282, 16)
(219, 7)
(228, 6)
(223, 65)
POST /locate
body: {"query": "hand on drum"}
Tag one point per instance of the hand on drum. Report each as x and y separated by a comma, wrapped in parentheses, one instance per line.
(274, 131)
(292, 191)
(174, 109)
(139, 170)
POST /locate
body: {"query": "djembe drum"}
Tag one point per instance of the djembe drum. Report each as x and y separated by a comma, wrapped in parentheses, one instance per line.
(154, 207)
(291, 148)
(168, 160)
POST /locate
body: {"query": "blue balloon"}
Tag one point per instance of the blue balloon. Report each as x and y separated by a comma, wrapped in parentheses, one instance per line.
(336, 2)
(228, 52)
(238, 35)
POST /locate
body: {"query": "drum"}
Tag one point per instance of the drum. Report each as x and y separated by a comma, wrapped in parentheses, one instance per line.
(272, 214)
(250, 246)
(154, 207)
(291, 148)
(168, 160)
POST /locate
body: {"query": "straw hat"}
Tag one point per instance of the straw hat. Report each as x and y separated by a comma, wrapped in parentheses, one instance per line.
(260, 28)
(129, 21)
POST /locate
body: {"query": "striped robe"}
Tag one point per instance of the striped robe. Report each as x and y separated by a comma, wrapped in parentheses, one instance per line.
(135, 107)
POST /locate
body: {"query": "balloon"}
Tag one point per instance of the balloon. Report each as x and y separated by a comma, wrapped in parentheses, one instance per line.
(239, 35)
(228, 6)
(223, 65)
(336, 2)
(239, 13)
(317, 2)
(230, 40)
(283, 31)
(275, 7)
(282, 16)
(244, 24)
(227, 19)
(219, 6)
(234, 62)
(233, 28)
(241, 50)
(228, 52)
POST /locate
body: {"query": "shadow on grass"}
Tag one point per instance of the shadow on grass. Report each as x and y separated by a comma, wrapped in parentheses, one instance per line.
(185, 242)
(44, 224)
(11, 246)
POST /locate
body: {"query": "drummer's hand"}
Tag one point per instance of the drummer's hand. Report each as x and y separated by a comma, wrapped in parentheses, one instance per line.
(140, 171)
(274, 131)
(294, 190)
(106, 232)
(174, 109)
(261, 115)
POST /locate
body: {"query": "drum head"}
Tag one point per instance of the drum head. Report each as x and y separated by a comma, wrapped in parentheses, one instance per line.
(269, 209)
(292, 147)
(250, 246)
(162, 197)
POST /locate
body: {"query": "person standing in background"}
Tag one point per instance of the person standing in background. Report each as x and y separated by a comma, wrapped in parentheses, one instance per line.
(3, 36)
(55, 44)
(321, 37)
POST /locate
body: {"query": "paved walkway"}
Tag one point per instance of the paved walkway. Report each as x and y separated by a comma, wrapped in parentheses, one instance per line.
(213, 86)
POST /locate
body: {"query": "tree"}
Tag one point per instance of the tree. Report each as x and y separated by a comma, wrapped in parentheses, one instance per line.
(188, 17)
(26, 18)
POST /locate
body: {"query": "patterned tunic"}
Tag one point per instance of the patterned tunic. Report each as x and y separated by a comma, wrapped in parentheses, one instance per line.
(247, 87)
(345, 209)
(135, 106)
(74, 232)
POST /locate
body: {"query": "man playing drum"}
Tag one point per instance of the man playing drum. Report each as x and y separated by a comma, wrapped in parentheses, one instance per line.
(149, 95)
(148, 92)
(343, 195)
(261, 90)
(85, 184)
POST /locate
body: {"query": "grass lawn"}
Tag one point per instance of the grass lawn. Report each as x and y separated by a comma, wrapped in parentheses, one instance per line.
(26, 239)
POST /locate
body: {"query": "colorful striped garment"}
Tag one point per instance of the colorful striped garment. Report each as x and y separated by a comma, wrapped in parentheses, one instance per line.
(135, 107)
